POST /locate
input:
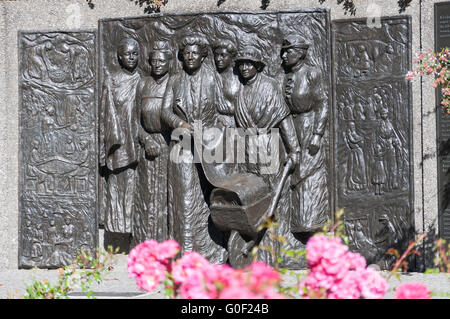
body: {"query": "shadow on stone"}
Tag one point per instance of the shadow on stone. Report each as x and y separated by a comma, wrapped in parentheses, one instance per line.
(117, 240)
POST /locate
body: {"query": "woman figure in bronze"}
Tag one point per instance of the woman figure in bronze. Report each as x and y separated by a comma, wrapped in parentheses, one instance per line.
(388, 142)
(260, 105)
(150, 217)
(308, 103)
(118, 138)
(191, 97)
(228, 80)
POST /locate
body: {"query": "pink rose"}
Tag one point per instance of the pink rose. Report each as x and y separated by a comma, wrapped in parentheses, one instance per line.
(262, 276)
(167, 249)
(193, 287)
(373, 285)
(355, 261)
(347, 288)
(187, 265)
(315, 248)
(412, 290)
(148, 273)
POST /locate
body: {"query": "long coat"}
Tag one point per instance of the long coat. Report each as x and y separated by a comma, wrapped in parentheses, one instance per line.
(191, 98)
(306, 98)
(150, 216)
(260, 104)
(118, 148)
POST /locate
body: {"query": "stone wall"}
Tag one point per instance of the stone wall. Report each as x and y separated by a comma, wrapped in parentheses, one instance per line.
(29, 15)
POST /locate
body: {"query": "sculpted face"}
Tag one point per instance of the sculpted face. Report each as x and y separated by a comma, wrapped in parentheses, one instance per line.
(247, 69)
(159, 63)
(129, 56)
(222, 58)
(292, 56)
(192, 57)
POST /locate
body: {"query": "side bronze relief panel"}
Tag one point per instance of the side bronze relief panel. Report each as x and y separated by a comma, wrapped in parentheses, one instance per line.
(228, 71)
(373, 135)
(58, 147)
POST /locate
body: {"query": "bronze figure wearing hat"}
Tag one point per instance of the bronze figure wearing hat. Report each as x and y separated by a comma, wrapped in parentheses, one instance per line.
(260, 105)
(308, 102)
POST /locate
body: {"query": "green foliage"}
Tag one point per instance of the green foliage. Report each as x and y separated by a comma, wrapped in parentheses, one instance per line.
(84, 271)
(402, 263)
(436, 64)
(442, 259)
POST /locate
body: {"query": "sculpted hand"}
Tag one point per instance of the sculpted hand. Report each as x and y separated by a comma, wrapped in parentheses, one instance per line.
(314, 146)
(152, 148)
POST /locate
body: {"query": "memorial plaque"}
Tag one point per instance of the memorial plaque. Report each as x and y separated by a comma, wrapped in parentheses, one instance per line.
(227, 70)
(442, 40)
(58, 147)
(373, 135)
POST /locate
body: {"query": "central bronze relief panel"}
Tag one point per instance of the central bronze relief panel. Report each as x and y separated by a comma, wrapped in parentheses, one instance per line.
(265, 76)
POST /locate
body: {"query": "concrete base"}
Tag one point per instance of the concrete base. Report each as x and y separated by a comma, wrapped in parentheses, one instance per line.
(117, 284)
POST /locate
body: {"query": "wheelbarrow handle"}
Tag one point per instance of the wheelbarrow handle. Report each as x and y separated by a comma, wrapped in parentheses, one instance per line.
(276, 198)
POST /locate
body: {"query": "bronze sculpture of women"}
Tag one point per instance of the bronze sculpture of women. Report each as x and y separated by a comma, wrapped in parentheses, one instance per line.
(305, 96)
(228, 80)
(260, 105)
(150, 217)
(118, 137)
(191, 96)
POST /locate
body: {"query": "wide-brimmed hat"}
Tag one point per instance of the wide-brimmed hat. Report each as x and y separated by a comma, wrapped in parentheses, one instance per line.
(250, 54)
(294, 41)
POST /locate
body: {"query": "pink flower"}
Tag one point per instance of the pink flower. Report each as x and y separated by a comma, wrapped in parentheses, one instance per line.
(193, 287)
(271, 293)
(412, 290)
(223, 276)
(373, 285)
(429, 70)
(410, 75)
(347, 288)
(355, 261)
(148, 261)
(166, 250)
(337, 273)
(262, 276)
(147, 271)
(151, 277)
(318, 278)
(320, 246)
(186, 266)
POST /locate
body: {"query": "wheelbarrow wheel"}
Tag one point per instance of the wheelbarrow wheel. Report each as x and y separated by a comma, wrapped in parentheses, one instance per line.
(239, 250)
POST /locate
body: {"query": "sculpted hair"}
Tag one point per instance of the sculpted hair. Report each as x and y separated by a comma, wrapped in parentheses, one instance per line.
(127, 41)
(195, 40)
(163, 47)
(225, 44)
